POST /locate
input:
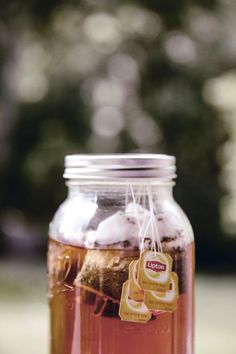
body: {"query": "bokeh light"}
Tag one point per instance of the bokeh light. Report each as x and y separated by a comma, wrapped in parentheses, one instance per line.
(118, 76)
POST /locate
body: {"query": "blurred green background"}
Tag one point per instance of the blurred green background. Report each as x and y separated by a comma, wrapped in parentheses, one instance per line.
(116, 76)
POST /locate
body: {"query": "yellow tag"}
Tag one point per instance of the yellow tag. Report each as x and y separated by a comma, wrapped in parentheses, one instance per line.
(131, 310)
(135, 292)
(154, 271)
(163, 301)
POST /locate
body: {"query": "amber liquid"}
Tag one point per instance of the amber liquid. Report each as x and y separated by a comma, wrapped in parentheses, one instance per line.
(85, 322)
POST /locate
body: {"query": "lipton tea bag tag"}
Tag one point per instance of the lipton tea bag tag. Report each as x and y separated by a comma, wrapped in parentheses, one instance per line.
(131, 310)
(164, 301)
(154, 271)
(135, 292)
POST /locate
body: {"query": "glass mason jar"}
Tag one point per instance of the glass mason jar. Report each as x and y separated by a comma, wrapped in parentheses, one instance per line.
(121, 259)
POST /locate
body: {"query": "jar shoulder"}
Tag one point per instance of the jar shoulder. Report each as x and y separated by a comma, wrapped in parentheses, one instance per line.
(173, 225)
(182, 216)
(72, 218)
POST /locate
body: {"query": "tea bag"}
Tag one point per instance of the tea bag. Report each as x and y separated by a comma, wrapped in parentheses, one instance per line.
(163, 301)
(105, 271)
(154, 271)
(131, 310)
(135, 292)
(106, 267)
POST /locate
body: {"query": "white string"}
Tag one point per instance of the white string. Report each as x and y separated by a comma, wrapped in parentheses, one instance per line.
(155, 229)
(144, 200)
(155, 236)
(158, 237)
(143, 234)
(153, 246)
(135, 208)
(126, 197)
(139, 193)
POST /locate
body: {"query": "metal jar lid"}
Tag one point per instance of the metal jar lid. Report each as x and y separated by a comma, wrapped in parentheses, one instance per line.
(122, 166)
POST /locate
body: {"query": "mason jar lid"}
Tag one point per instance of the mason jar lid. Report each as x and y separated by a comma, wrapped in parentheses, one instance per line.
(112, 166)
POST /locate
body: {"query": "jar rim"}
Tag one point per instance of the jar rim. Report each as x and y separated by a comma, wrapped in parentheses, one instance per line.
(120, 166)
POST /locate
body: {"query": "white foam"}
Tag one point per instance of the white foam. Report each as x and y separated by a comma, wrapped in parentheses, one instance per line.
(137, 209)
(131, 224)
(169, 225)
(116, 228)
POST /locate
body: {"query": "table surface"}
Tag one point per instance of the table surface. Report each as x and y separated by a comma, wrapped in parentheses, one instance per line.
(24, 311)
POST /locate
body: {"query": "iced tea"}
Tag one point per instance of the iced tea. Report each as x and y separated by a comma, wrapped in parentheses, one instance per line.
(84, 289)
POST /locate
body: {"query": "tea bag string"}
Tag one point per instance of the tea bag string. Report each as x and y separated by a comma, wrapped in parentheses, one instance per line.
(153, 240)
(126, 196)
(155, 235)
(135, 208)
(143, 235)
(141, 231)
(152, 221)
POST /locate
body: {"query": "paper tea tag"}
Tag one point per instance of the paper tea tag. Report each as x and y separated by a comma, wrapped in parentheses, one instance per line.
(135, 292)
(163, 301)
(131, 310)
(154, 271)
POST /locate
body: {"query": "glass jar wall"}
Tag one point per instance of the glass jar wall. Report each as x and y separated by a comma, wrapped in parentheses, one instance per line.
(117, 208)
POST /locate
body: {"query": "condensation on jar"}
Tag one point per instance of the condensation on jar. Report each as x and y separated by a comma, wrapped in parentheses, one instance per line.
(118, 206)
